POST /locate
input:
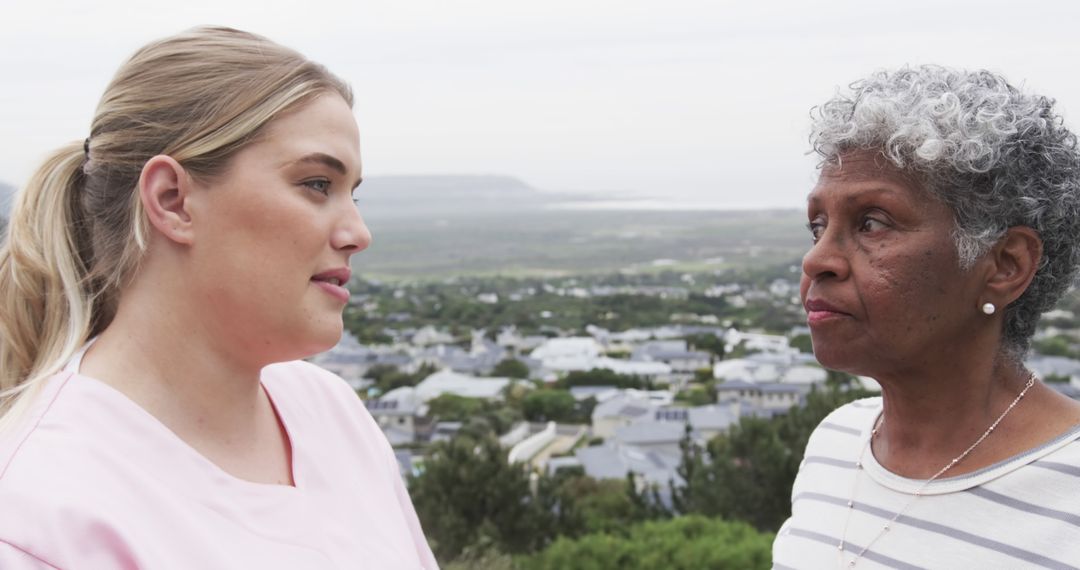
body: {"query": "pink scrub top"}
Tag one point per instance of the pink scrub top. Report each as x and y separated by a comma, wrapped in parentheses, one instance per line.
(91, 480)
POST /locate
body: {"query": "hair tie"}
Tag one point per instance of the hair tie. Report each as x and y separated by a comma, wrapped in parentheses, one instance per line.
(86, 147)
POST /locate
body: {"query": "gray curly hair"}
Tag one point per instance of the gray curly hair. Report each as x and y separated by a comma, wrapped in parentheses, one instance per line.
(996, 156)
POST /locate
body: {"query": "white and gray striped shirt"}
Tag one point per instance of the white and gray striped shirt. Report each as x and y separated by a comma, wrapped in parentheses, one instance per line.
(1023, 512)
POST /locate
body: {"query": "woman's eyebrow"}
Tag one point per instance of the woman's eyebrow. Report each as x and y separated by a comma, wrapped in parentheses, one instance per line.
(320, 158)
(325, 159)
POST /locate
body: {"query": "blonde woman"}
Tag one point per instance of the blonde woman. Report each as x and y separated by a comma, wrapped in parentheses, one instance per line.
(158, 283)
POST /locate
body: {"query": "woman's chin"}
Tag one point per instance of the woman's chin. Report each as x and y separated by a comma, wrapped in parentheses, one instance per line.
(836, 359)
(328, 336)
(318, 338)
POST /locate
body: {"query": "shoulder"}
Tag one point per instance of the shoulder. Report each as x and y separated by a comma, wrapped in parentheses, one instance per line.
(64, 504)
(308, 390)
(58, 463)
(835, 444)
(305, 377)
(854, 414)
(853, 417)
(841, 432)
(46, 444)
(307, 385)
(314, 399)
(64, 529)
(1056, 463)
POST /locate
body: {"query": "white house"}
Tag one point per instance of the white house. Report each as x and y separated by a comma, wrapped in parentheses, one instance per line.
(674, 353)
(450, 382)
(620, 410)
(580, 354)
(661, 437)
(756, 341)
(570, 348)
(430, 335)
(747, 370)
(396, 413)
(767, 397)
(510, 339)
(804, 375)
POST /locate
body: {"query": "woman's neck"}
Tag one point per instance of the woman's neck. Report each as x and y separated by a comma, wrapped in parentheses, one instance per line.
(163, 355)
(932, 417)
(196, 385)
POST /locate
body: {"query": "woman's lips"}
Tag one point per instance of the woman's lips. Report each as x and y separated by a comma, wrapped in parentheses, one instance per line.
(333, 282)
(818, 311)
(815, 317)
(337, 291)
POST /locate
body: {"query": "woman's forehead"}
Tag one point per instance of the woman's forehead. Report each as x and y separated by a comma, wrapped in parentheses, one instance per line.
(322, 128)
(866, 169)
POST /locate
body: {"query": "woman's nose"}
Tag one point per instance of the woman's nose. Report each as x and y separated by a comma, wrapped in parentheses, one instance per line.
(352, 234)
(827, 257)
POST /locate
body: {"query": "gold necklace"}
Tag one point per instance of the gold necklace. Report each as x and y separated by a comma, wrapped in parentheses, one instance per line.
(918, 492)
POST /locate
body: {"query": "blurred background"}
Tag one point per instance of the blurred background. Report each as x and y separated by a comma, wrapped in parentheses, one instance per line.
(578, 323)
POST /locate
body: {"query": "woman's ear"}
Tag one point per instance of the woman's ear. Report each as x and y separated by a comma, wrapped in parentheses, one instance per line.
(1015, 259)
(164, 188)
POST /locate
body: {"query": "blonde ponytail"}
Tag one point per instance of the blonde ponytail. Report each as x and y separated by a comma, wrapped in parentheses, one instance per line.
(77, 231)
(46, 313)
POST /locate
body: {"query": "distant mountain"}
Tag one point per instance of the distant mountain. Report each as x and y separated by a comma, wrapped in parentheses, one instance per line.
(437, 226)
(382, 197)
(425, 197)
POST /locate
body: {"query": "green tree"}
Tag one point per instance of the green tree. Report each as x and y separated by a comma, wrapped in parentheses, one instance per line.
(839, 381)
(750, 473)
(646, 500)
(481, 558)
(551, 405)
(803, 343)
(688, 497)
(707, 342)
(454, 408)
(1054, 346)
(703, 375)
(683, 543)
(481, 417)
(584, 505)
(697, 396)
(469, 495)
(602, 377)
(510, 368)
(387, 377)
(747, 473)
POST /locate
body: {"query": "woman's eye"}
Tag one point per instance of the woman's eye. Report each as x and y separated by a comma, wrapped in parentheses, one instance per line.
(869, 224)
(319, 185)
(816, 228)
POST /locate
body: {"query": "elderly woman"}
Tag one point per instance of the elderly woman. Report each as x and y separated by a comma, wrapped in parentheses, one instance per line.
(200, 239)
(945, 220)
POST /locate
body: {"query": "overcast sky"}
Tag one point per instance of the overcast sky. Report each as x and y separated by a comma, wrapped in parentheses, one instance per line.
(691, 101)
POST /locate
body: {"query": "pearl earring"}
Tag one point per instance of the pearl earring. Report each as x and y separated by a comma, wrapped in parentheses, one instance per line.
(988, 308)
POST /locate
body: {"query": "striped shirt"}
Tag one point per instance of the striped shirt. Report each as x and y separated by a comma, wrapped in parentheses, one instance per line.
(1023, 512)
